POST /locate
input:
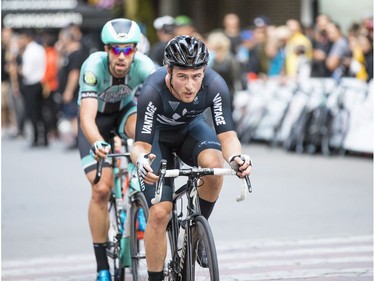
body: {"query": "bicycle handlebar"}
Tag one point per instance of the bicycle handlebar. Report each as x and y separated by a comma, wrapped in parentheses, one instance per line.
(173, 173)
(100, 162)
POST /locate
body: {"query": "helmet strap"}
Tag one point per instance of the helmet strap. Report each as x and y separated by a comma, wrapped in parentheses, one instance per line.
(170, 78)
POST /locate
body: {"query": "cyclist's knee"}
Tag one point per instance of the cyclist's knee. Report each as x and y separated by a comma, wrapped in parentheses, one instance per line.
(211, 158)
(213, 183)
(101, 192)
(159, 214)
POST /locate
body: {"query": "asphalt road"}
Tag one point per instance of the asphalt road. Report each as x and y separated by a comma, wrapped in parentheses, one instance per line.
(45, 197)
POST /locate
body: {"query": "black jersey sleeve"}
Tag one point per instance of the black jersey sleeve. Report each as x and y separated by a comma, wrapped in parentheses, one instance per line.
(219, 100)
(149, 104)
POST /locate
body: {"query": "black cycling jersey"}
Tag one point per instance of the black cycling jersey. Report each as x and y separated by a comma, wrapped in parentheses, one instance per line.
(171, 125)
(158, 108)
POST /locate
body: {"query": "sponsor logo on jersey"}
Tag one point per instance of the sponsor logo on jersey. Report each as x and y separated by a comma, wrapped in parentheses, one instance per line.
(115, 93)
(149, 116)
(88, 95)
(89, 78)
(174, 104)
(218, 110)
(196, 100)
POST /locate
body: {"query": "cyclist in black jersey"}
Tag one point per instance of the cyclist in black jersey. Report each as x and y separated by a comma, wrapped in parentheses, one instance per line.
(170, 119)
(108, 81)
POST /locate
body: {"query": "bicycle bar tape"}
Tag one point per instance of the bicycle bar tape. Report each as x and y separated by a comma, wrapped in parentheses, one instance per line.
(159, 187)
(99, 167)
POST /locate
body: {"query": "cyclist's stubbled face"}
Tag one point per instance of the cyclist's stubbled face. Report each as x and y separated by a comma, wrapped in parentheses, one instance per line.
(186, 83)
(120, 57)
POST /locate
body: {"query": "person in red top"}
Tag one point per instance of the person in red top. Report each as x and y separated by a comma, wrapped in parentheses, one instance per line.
(50, 83)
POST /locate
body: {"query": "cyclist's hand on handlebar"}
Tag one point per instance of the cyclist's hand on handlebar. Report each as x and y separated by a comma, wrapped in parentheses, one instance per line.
(241, 164)
(144, 168)
(100, 149)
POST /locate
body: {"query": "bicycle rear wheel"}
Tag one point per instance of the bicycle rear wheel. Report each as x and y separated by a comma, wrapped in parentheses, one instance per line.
(202, 234)
(137, 247)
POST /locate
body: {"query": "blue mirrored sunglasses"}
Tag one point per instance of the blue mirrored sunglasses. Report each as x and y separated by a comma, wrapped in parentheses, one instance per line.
(117, 50)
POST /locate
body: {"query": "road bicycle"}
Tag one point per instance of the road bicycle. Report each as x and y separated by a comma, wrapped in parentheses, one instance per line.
(187, 228)
(128, 213)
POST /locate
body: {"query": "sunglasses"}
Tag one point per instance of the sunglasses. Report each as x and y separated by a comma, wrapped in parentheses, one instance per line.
(117, 50)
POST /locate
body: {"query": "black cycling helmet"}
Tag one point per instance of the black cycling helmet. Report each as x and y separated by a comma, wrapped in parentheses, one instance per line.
(186, 52)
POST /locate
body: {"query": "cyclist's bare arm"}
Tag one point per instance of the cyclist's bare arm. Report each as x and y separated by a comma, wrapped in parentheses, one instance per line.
(88, 111)
(142, 148)
(231, 146)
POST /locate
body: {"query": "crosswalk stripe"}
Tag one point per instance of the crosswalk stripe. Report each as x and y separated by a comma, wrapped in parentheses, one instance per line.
(349, 257)
(267, 243)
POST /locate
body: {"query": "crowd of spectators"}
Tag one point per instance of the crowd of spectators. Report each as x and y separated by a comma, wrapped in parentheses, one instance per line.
(40, 73)
(297, 52)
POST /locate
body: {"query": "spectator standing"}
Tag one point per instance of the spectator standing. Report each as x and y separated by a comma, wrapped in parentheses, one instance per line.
(183, 25)
(13, 67)
(335, 61)
(356, 63)
(50, 84)
(258, 60)
(232, 30)
(295, 44)
(164, 27)
(71, 61)
(223, 61)
(32, 71)
(321, 47)
(8, 120)
(366, 44)
(275, 50)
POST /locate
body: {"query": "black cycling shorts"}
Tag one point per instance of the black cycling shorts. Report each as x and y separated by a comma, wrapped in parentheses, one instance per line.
(106, 123)
(187, 143)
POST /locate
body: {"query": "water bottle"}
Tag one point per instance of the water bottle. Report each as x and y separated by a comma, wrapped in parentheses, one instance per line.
(141, 220)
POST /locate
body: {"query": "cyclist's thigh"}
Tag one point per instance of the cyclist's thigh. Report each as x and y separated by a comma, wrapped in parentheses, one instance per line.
(122, 121)
(200, 136)
(106, 180)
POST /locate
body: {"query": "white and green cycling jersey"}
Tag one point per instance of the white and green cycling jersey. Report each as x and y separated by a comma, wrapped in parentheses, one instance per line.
(113, 94)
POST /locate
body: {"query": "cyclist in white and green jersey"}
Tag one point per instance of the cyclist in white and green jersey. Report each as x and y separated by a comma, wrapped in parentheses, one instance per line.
(108, 82)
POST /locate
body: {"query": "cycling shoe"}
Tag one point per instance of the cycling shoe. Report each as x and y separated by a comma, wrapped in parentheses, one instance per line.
(202, 258)
(103, 275)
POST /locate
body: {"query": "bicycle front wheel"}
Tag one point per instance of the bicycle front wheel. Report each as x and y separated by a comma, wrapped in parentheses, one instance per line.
(202, 234)
(139, 216)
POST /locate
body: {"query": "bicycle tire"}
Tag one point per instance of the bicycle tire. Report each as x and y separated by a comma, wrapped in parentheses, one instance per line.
(202, 233)
(138, 255)
(114, 247)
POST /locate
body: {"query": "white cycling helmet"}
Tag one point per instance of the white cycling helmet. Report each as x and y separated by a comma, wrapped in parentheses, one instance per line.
(121, 31)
